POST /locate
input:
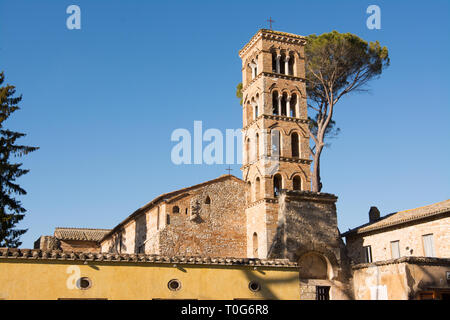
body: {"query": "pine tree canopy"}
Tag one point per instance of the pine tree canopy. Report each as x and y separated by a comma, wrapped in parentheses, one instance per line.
(11, 210)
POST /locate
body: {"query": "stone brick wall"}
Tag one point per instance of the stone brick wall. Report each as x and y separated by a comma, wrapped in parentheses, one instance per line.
(79, 246)
(409, 237)
(307, 226)
(215, 229)
(184, 224)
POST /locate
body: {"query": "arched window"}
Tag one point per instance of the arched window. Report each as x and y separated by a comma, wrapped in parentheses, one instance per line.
(176, 209)
(249, 192)
(256, 106)
(255, 245)
(276, 145)
(208, 200)
(257, 189)
(274, 62)
(293, 106)
(291, 64)
(247, 149)
(275, 103)
(257, 146)
(297, 183)
(283, 104)
(277, 184)
(282, 64)
(294, 145)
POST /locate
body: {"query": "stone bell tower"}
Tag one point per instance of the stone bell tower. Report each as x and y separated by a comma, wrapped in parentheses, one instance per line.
(275, 130)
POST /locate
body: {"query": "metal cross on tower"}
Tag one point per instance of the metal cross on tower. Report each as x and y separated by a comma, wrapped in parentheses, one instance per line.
(270, 22)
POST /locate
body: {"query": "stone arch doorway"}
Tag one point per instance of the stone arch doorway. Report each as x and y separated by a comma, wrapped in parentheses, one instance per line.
(313, 265)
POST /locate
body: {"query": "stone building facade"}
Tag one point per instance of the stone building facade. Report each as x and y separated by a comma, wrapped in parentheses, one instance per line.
(403, 255)
(275, 132)
(72, 239)
(202, 220)
(419, 232)
(269, 217)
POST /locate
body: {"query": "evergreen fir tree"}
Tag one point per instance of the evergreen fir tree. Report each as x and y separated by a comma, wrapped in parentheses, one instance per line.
(11, 210)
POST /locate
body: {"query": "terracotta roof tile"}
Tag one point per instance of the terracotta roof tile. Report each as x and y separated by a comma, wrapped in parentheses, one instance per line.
(401, 217)
(86, 234)
(37, 254)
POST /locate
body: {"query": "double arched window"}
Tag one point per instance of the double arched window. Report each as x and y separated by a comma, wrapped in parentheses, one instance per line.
(284, 104)
(283, 62)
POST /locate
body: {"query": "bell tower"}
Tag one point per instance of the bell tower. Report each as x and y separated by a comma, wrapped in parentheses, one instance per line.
(275, 130)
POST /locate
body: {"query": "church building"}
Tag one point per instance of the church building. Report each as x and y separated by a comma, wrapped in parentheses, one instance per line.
(241, 233)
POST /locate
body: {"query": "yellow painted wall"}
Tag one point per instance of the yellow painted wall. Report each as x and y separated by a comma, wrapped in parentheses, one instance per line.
(49, 280)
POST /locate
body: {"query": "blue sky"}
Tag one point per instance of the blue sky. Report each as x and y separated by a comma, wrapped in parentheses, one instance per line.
(102, 102)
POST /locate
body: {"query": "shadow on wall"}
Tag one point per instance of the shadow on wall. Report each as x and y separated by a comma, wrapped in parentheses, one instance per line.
(118, 242)
(265, 291)
(140, 234)
(420, 278)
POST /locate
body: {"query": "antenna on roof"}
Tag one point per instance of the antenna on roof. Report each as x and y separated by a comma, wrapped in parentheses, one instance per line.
(229, 169)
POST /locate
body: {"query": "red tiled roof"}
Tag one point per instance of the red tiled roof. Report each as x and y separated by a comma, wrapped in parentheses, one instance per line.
(401, 217)
(86, 234)
(57, 255)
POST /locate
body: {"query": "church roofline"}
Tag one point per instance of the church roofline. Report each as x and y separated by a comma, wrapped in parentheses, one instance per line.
(271, 34)
(166, 197)
(58, 255)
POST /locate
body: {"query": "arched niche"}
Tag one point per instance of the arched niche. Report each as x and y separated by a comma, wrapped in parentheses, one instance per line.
(313, 265)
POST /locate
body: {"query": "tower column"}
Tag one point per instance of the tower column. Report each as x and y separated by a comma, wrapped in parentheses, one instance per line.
(278, 63)
(286, 65)
(279, 104)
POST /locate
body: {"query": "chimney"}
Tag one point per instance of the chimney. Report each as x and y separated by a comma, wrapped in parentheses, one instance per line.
(374, 214)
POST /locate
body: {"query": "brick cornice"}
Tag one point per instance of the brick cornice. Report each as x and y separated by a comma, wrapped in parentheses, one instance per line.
(272, 75)
(263, 200)
(275, 117)
(282, 159)
(273, 35)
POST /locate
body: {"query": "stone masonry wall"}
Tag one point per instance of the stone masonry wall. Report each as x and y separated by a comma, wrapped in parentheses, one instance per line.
(215, 229)
(409, 237)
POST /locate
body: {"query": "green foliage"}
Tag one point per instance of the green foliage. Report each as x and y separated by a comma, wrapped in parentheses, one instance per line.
(338, 63)
(239, 92)
(11, 210)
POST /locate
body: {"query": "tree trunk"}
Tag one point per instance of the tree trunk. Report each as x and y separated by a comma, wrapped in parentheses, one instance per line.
(316, 183)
